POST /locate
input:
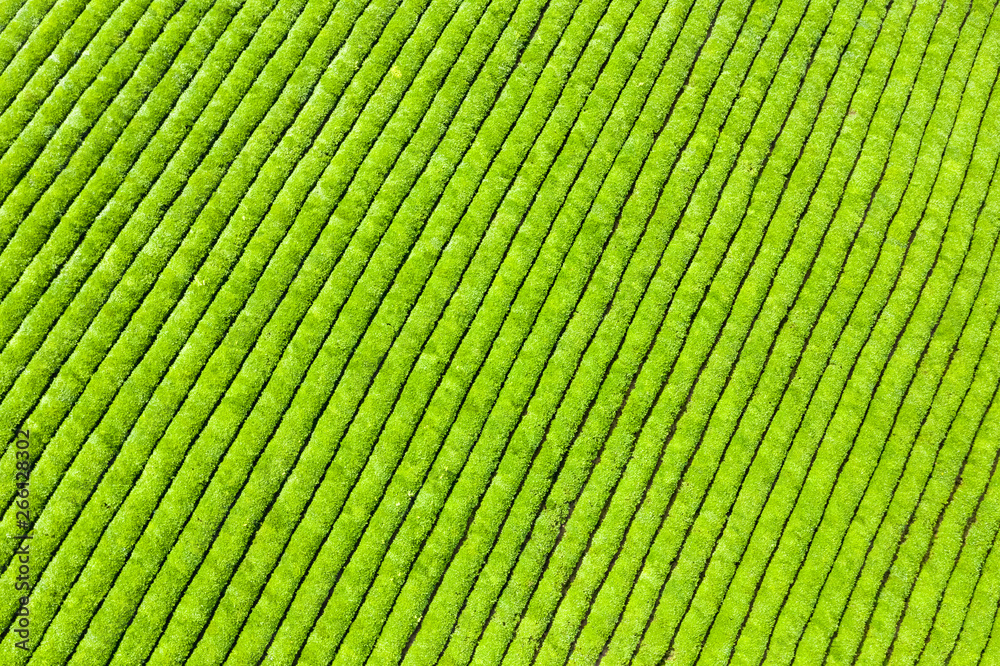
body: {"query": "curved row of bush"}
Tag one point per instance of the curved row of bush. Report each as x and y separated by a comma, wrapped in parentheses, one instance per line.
(530, 494)
(51, 480)
(461, 331)
(835, 241)
(286, 432)
(901, 181)
(117, 257)
(578, 44)
(532, 384)
(34, 31)
(43, 131)
(794, 389)
(785, 276)
(659, 421)
(45, 338)
(945, 395)
(294, 94)
(313, 217)
(909, 217)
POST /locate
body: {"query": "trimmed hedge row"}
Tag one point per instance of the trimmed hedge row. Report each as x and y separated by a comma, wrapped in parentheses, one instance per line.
(848, 211)
(618, 422)
(117, 257)
(319, 217)
(902, 181)
(926, 253)
(297, 244)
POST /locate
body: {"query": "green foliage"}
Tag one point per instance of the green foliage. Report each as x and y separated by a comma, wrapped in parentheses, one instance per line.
(485, 331)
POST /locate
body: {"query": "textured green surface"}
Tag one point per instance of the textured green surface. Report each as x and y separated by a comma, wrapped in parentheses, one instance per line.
(501, 331)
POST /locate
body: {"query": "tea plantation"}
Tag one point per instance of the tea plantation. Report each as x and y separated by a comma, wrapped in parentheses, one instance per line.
(507, 332)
